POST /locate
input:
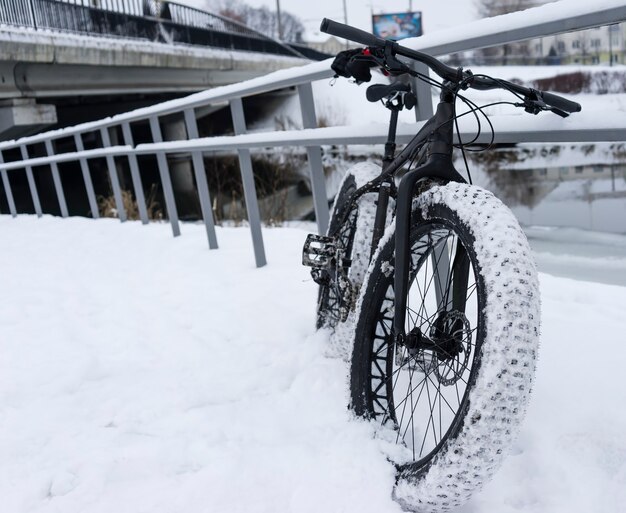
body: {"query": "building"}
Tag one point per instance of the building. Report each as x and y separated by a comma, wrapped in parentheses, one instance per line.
(328, 44)
(602, 45)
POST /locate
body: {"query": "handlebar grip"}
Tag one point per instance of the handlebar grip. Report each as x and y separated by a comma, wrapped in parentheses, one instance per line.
(554, 100)
(351, 33)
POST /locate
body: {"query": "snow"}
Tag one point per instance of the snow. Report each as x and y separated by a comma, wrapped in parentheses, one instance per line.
(144, 373)
(571, 454)
(154, 379)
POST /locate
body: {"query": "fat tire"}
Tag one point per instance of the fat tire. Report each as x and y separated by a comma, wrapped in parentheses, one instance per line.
(356, 235)
(506, 343)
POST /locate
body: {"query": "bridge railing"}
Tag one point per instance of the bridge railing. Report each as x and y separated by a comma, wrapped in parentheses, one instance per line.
(562, 17)
(167, 22)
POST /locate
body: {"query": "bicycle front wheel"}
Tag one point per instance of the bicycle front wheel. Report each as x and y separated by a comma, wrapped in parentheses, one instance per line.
(454, 391)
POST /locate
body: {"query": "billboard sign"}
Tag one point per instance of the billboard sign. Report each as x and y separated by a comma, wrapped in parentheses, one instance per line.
(397, 25)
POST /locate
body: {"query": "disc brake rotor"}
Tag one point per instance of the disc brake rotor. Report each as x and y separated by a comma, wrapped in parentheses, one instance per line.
(458, 336)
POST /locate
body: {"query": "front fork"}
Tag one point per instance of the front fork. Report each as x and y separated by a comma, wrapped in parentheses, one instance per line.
(439, 167)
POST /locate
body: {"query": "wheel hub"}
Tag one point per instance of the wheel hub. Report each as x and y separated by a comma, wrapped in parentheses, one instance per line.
(445, 351)
(447, 333)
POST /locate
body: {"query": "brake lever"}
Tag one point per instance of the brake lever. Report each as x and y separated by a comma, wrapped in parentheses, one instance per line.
(392, 64)
(537, 106)
(533, 104)
(558, 112)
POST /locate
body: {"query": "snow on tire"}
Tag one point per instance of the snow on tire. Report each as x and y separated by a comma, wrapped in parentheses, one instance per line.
(356, 235)
(473, 358)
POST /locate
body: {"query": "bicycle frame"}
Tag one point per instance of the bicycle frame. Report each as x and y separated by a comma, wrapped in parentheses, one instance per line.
(437, 133)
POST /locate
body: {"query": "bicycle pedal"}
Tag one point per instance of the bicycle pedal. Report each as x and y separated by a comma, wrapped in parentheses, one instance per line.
(318, 251)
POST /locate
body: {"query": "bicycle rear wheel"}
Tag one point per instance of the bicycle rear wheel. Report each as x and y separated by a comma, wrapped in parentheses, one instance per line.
(455, 390)
(354, 236)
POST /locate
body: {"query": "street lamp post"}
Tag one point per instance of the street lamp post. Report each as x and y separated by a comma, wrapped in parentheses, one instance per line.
(345, 18)
(280, 26)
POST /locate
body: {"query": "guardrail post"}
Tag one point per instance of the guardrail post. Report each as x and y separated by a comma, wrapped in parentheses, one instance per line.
(84, 167)
(201, 182)
(249, 189)
(166, 181)
(314, 156)
(134, 174)
(7, 189)
(115, 180)
(56, 178)
(31, 182)
(424, 107)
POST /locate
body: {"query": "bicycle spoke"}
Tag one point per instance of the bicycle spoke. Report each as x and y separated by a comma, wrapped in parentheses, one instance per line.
(423, 382)
(404, 407)
(441, 395)
(412, 423)
(431, 405)
(440, 435)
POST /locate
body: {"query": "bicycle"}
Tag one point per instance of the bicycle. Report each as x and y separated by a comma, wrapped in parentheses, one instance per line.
(434, 279)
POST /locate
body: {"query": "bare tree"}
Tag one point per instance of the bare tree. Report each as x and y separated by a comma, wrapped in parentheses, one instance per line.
(490, 8)
(261, 19)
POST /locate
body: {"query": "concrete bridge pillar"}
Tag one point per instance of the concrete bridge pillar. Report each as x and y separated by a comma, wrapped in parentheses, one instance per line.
(23, 116)
(181, 170)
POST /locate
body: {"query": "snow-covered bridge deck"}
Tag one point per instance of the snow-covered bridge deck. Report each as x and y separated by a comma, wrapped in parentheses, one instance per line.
(79, 47)
(37, 64)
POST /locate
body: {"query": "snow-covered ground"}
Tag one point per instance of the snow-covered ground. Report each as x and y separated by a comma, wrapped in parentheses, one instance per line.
(141, 373)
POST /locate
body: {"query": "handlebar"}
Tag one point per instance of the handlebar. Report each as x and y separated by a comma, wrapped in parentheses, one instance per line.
(351, 33)
(365, 38)
(559, 102)
(550, 99)
(455, 75)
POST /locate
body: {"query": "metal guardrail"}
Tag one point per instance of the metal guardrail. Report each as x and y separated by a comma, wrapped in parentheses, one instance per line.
(166, 22)
(475, 35)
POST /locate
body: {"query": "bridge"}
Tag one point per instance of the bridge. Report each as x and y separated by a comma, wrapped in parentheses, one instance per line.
(33, 165)
(114, 56)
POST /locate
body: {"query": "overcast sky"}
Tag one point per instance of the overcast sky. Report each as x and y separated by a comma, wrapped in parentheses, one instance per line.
(436, 14)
